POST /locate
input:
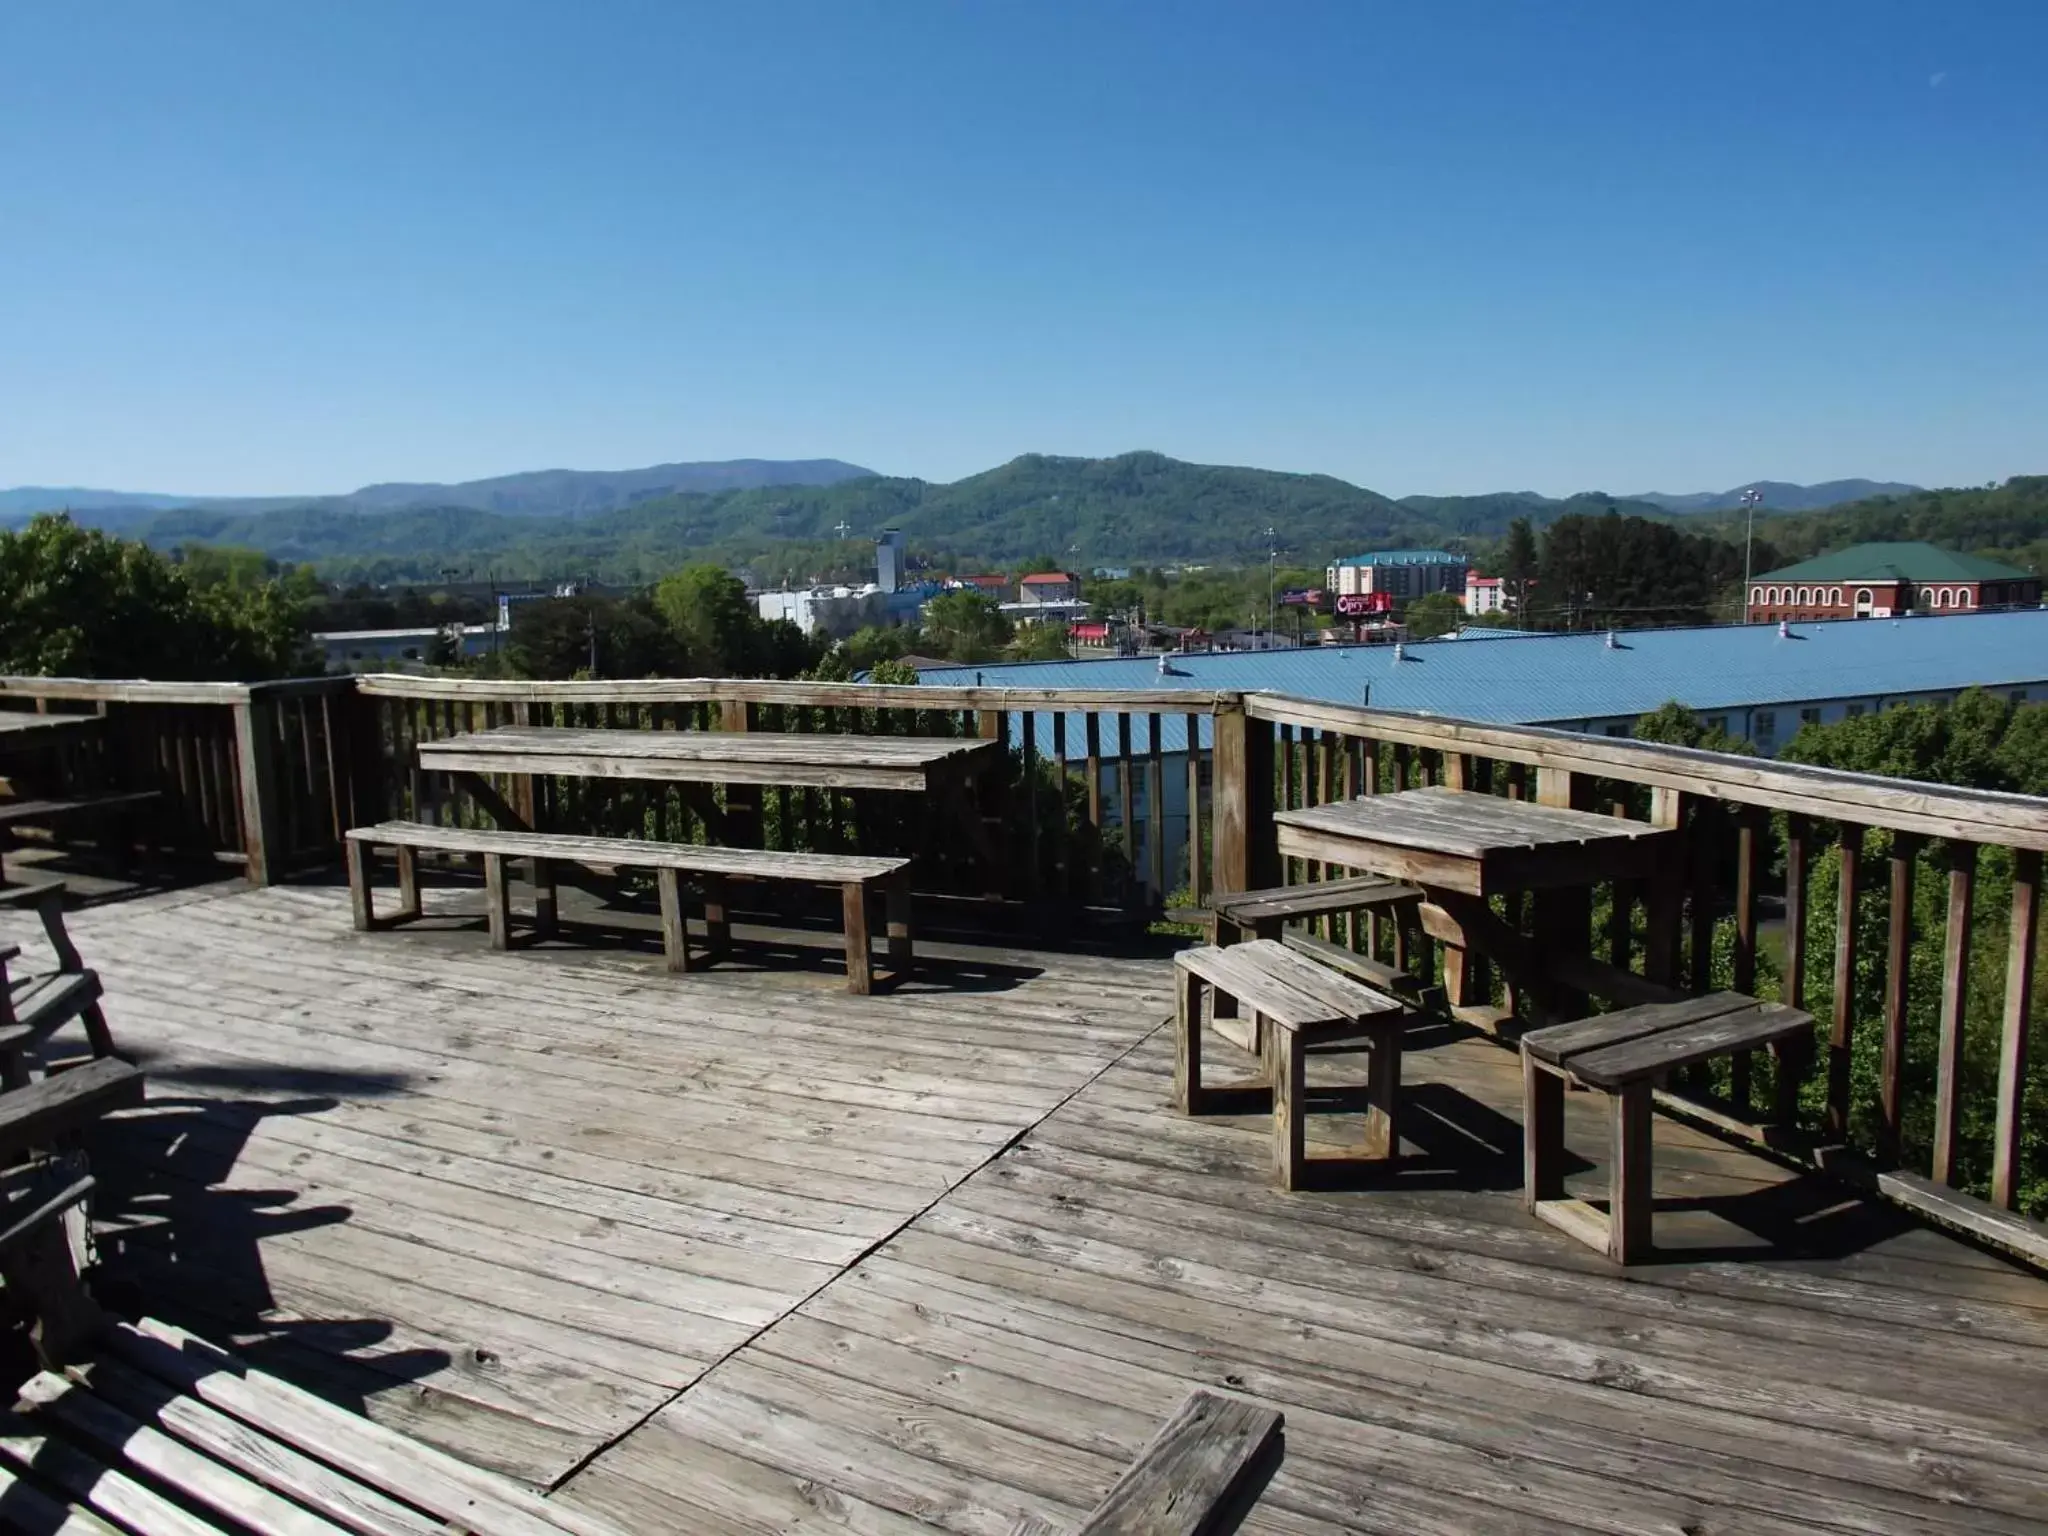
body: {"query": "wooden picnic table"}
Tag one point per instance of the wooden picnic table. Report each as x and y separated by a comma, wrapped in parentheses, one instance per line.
(945, 767)
(919, 764)
(1464, 848)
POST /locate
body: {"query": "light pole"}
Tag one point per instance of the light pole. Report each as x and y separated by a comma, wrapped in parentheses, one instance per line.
(1272, 567)
(1751, 500)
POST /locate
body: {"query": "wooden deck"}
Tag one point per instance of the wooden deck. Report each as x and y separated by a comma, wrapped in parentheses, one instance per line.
(739, 1252)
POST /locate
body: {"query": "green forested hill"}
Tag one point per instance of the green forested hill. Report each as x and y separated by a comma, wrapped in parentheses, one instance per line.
(1136, 508)
(2008, 522)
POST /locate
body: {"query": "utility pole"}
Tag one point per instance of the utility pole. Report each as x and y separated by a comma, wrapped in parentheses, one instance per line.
(1751, 499)
(590, 629)
(1272, 566)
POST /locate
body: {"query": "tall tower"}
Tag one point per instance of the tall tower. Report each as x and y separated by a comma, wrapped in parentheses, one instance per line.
(889, 560)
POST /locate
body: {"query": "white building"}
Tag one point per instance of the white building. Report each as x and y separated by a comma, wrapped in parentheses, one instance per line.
(350, 649)
(834, 612)
(1485, 594)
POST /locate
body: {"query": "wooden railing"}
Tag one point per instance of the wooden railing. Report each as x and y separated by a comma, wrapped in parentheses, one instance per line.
(1106, 819)
(250, 773)
(1904, 915)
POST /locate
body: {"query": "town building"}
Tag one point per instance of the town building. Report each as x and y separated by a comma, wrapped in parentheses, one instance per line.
(835, 612)
(997, 587)
(1881, 581)
(889, 560)
(1486, 594)
(404, 650)
(1399, 574)
(1753, 682)
(1049, 587)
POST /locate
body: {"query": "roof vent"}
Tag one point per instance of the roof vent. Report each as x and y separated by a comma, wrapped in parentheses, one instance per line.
(1612, 643)
(1366, 701)
(1164, 665)
(1400, 652)
(1784, 629)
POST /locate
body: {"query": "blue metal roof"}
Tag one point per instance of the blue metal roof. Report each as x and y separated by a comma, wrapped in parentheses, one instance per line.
(1406, 557)
(1567, 679)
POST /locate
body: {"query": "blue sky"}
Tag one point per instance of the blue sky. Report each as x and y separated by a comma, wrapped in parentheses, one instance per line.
(1453, 247)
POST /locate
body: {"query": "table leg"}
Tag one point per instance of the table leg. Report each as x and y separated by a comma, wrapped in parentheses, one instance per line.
(1187, 1038)
(356, 855)
(675, 933)
(408, 882)
(1383, 1093)
(1628, 1206)
(497, 901)
(897, 915)
(1288, 1069)
(546, 909)
(717, 916)
(859, 963)
(1542, 1134)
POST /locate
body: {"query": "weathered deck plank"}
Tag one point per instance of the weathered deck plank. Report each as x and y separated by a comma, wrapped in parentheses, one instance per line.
(554, 1207)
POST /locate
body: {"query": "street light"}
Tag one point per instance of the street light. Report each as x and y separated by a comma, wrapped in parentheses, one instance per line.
(1751, 500)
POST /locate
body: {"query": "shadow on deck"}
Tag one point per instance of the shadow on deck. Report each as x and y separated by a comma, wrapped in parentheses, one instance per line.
(739, 1252)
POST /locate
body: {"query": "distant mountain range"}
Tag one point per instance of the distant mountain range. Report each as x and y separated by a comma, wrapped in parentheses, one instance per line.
(536, 493)
(1779, 496)
(633, 525)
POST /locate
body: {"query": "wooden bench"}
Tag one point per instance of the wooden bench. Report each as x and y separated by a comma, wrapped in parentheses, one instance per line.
(1293, 1003)
(43, 813)
(1265, 914)
(856, 876)
(1623, 1054)
(34, 1007)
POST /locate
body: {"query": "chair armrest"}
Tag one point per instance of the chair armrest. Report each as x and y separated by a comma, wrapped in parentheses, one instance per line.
(65, 1104)
(19, 1232)
(32, 895)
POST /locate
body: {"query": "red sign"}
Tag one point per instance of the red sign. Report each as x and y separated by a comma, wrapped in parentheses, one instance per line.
(1354, 604)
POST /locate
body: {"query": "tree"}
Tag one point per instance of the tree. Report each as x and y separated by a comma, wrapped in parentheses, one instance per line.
(706, 609)
(1437, 613)
(1518, 564)
(592, 637)
(965, 626)
(1041, 642)
(1676, 725)
(75, 602)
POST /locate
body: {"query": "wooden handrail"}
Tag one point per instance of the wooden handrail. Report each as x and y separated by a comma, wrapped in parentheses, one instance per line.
(699, 690)
(1899, 805)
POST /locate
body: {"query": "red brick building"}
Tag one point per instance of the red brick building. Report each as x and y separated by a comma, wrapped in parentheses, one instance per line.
(1881, 581)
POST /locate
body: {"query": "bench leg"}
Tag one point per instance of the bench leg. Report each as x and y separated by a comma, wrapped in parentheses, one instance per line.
(1383, 1092)
(1542, 1134)
(859, 968)
(898, 917)
(497, 901)
(1628, 1206)
(675, 935)
(357, 857)
(717, 915)
(547, 920)
(1187, 1042)
(408, 884)
(1287, 1066)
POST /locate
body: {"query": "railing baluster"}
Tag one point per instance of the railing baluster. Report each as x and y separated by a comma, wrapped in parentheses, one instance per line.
(1155, 808)
(1842, 1024)
(1126, 816)
(1197, 884)
(1063, 848)
(1898, 962)
(1748, 858)
(1028, 719)
(2012, 1040)
(1955, 1000)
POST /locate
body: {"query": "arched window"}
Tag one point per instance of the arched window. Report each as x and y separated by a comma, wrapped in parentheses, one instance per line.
(1756, 594)
(1863, 597)
(1962, 597)
(1941, 597)
(1835, 596)
(1803, 597)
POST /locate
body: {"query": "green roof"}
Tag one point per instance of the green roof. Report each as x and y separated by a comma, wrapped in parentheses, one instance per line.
(1895, 562)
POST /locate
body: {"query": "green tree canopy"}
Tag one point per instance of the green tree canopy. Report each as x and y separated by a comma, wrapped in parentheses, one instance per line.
(75, 602)
(1041, 642)
(1435, 613)
(966, 626)
(1675, 724)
